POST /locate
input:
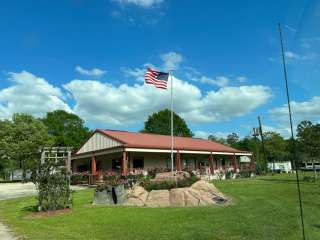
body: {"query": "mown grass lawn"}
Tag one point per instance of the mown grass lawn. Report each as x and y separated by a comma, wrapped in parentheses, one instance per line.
(264, 208)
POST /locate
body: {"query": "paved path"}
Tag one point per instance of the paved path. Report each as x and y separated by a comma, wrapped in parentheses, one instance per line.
(16, 190)
(6, 234)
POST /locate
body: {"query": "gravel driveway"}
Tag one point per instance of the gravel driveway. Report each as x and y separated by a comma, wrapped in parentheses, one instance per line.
(16, 190)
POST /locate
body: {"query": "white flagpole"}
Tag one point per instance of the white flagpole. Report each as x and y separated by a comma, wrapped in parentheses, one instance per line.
(170, 72)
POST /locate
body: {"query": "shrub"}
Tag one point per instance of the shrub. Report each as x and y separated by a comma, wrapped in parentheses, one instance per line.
(53, 183)
(229, 174)
(153, 171)
(79, 178)
(245, 174)
(152, 185)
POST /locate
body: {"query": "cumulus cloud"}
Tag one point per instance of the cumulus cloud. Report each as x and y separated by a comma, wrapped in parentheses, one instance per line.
(136, 73)
(94, 72)
(106, 104)
(171, 60)
(220, 81)
(30, 94)
(307, 110)
(140, 3)
(242, 79)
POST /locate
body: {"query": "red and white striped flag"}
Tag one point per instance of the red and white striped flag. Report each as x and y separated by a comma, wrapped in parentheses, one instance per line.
(159, 79)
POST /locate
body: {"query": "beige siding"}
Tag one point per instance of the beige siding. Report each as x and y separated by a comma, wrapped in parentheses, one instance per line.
(98, 141)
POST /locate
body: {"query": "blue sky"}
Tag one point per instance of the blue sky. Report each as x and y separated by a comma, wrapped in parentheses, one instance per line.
(88, 57)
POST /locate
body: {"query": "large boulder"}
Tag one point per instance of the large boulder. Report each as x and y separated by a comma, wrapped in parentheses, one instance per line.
(158, 198)
(103, 197)
(191, 199)
(177, 197)
(137, 196)
(204, 186)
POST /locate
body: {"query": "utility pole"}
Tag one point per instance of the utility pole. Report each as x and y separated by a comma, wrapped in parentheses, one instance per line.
(262, 141)
(255, 135)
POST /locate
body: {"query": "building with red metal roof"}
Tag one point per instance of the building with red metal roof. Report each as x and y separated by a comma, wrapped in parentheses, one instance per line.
(128, 151)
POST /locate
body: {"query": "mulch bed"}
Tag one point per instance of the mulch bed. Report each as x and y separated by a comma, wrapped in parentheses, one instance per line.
(48, 213)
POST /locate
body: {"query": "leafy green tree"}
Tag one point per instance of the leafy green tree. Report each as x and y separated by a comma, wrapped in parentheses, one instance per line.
(160, 123)
(67, 129)
(276, 147)
(6, 163)
(217, 139)
(308, 137)
(233, 139)
(21, 140)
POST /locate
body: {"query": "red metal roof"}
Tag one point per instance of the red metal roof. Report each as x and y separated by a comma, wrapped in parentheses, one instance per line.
(148, 140)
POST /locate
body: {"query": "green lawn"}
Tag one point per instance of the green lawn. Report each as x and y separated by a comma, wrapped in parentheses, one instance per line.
(264, 208)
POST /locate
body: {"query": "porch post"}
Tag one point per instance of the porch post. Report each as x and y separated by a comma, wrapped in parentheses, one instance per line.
(211, 164)
(234, 160)
(178, 163)
(252, 164)
(124, 164)
(93, 165)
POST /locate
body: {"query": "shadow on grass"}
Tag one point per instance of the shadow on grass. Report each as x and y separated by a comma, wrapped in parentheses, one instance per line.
(29, 209)
(316, 225)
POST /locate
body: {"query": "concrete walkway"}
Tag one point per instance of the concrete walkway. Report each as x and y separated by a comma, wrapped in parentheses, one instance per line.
(16, 190)
(6, 233)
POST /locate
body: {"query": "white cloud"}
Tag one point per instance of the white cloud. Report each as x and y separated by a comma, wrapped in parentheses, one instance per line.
(136, 73)
(242, 79)
(140, 3)
(30, 94)
(292, 55)
(228, 102)
(171, 60)
(105, 104)
(94, 72)
(307, 110)
(220, 81)
(284, 131)
(205, 134)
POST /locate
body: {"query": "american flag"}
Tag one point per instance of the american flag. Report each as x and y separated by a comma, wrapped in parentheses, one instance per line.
(159, 79)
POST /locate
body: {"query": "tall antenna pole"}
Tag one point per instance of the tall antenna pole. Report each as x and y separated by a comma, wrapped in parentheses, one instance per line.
(294, 152)
(171, 121)
(262, 141)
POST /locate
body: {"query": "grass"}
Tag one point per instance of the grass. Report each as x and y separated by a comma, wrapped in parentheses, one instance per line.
(264, 208)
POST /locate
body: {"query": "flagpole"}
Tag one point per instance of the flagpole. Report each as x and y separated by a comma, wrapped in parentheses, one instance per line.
(171, 82)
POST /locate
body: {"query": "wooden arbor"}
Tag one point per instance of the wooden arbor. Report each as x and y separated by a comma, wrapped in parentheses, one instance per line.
(61, 155)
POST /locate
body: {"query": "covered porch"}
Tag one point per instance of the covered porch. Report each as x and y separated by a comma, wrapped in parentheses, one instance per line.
(132, 161)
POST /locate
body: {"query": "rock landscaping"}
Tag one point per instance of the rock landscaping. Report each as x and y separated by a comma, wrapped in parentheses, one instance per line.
(200, 193)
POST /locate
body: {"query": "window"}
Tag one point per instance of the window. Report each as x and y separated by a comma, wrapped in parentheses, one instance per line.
(138, 162)
(116, 164)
